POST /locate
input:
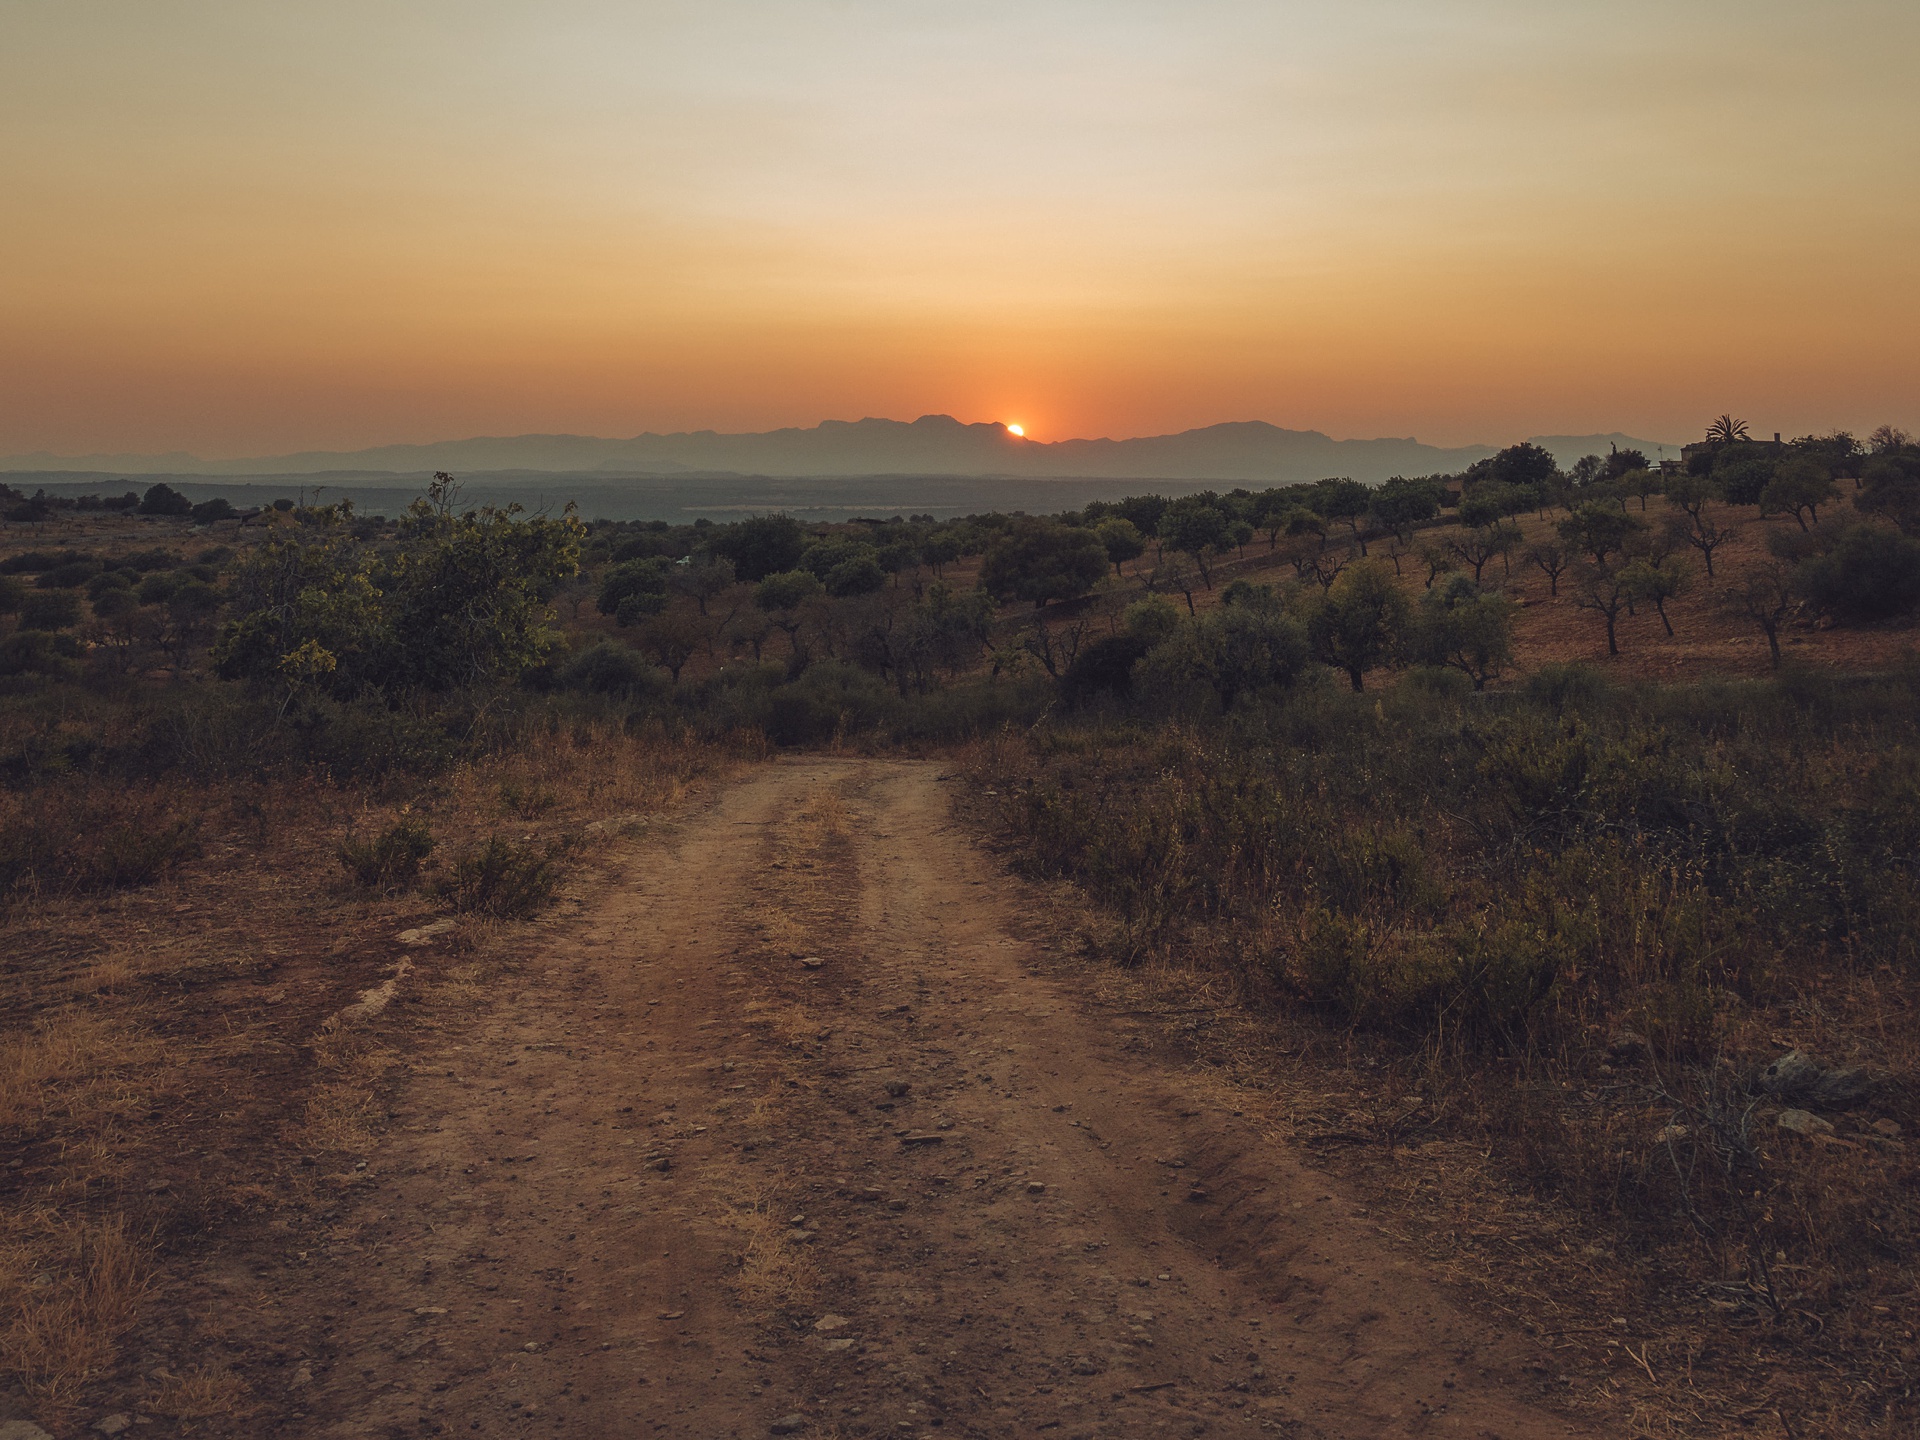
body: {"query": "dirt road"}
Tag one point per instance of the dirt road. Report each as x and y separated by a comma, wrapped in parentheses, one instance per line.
(790, 1136)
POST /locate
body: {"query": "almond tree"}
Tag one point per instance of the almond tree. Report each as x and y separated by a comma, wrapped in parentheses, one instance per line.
(1603, 591)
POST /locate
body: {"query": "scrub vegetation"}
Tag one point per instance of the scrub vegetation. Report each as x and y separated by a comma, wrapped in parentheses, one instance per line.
(1578, 813)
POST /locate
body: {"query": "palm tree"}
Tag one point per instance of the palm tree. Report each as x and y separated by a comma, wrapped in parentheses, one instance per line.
(1726, 429)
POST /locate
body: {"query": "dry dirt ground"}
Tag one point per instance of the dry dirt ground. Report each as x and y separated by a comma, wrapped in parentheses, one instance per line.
(790, 1133)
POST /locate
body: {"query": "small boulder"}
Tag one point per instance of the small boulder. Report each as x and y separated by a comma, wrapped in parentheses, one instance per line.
(1886, 1129)
(111, 1424)
(22, 1430)
(1804, 1122)
(1794, 1073)
(827, 1324)
(789, 1424)
(1840, 1088)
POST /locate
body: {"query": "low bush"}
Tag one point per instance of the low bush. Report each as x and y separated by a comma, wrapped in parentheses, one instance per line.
(1871, 572)
(393, 857)
(505, 879)
(50, 610)
(609, 668)
(82, 839)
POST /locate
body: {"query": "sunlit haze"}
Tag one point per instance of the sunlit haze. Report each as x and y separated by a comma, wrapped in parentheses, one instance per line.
(248, 228)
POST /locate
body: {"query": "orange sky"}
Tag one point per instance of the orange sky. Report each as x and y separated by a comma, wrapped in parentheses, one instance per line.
(240, 228)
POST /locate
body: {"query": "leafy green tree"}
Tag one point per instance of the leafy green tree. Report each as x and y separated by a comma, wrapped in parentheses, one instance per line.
(1437, 558)
(1640, 483)
(1346, 500)
(1871, 572)
(634, 589)
(824, 556)
(1766, 595)
(1551, 558)
(1599, 530)
(307, 612)
(208, 511)
(1401, 505)
(1657, 579)
(761, 545)
(1464, 628)
(1143, 512)
(49, 610)
(1195, 528)
(1491, 503)
(945, 631)
(1726, 430)
(1359, 624)
(1483, 544)
(461, 600)
(608, 667)
(856, 575)
(466, 591)
(941, 549)
(1890, 487)
(673, 637)
(705, 579)
(163, 499)
(1601, 589)
(1743, 479)
(1043, 560)
(1518, 465)
(1122, 540)
(783, 598)
(1234, 651)
(13, 595)
(1801, 485)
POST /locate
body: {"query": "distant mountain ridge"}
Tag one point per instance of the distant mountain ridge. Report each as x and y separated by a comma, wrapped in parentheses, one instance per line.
(1233, 453)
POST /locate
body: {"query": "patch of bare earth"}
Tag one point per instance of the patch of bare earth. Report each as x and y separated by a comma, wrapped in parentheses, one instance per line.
(789, 1132)
(192, 1068)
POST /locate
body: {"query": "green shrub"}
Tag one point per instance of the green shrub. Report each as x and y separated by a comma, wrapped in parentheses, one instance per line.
(1872, 572)
(610, 668)
(38, 653)
(504, 879)
(393, 857)
(53, 610)
(79, 839)
(70, 576)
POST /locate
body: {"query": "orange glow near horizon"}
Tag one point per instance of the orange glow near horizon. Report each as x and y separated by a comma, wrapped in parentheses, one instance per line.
(241, 230)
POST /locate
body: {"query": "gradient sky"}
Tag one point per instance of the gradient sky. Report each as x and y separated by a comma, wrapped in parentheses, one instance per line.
(251, 226)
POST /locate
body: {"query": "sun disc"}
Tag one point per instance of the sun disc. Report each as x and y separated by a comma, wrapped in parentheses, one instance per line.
(1016, 430)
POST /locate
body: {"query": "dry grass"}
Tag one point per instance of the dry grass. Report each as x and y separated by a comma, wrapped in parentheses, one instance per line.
(200, 1394)
(72, 1285)
(775, 1275)
(167, 1056)
(1533, 1175)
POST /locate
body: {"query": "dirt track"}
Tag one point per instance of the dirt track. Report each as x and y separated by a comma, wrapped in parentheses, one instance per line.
(790, 1126)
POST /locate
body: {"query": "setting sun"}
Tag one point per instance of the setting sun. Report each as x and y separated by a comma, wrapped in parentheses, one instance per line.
(1020, 430)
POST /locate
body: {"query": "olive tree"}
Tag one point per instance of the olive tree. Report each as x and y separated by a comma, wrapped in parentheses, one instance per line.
(1359, 624)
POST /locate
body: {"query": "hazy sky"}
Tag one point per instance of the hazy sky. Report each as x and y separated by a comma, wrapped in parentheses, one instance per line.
(248, 227)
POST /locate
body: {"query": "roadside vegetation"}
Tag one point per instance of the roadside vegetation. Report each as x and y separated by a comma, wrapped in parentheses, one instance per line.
(1578, 811)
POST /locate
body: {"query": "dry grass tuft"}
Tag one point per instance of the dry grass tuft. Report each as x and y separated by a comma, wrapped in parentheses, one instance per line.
(774, 1274)
(200, 1394)
(68, 1289)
